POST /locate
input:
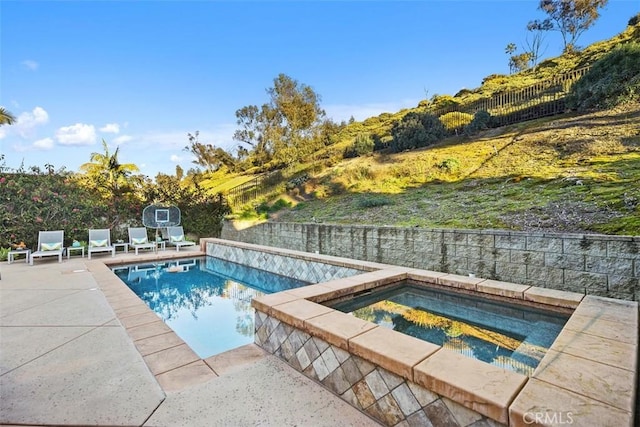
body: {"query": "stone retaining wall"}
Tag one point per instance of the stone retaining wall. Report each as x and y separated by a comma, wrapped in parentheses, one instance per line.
(594, 264)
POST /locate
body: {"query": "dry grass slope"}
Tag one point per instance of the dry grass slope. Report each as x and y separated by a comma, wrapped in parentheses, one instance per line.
(573, 173)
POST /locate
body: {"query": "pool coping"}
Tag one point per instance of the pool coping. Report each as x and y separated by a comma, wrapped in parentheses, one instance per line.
(589, 331)
(169, 358)
(172, 362)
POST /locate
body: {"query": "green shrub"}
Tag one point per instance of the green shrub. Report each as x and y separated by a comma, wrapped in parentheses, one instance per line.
(481, 120)
(279, 204)
(264, 209)
(439, 102)
(363, 144)
(372, 201)
(4, 252)
(613, 79)
(248, 212)
(381, 142)
(33, 202)
(416, 130)
(449, 165)
(455, 120)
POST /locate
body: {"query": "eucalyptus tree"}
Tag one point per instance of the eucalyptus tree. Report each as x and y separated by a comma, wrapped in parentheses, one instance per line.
(210, 157)
(537, 29)
(571, 17)
(286, 129)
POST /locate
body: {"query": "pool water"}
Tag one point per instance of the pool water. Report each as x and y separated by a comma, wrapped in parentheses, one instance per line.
(205, 300)
(510, 336)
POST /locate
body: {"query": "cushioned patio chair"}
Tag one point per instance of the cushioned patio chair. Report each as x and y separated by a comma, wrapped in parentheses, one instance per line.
(50, 243)
(177, 239)
(100, 241)
(138, 239)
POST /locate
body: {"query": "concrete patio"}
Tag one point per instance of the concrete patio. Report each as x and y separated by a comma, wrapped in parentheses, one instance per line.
(77, 349)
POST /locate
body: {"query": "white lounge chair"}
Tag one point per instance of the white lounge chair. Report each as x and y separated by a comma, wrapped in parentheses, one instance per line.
(177, 239)
(50, 243)
(100, 241)
(138, 239)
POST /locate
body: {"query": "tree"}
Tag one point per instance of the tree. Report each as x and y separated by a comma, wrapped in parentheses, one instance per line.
(110, 177)
(510, 50)
(520, 62)
(112, 180)
(571, 17)
(209, 156)
(255, 129)
(6, 118)
(284, 130)
(537, 30)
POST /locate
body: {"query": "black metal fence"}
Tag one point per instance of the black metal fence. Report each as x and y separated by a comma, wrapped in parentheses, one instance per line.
(245, 192)
(542, 99)
(251, 190)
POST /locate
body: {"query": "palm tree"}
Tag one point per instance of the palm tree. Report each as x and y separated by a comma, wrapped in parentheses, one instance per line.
(111, 178)
(106, 171)
(6, 118)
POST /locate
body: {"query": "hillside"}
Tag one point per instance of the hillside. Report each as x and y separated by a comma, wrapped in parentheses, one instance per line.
(570, 173)
(573, 172)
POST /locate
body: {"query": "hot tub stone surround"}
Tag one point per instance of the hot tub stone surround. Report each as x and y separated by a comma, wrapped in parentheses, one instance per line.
(379, 392)
(380, 372)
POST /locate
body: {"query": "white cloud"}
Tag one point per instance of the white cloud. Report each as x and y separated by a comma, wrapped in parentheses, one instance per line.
(3, 133)
(43, 144)
(30, 65)
(28, 121)
(20, 148)
(78, 134)
(122, 139)
(110, 128)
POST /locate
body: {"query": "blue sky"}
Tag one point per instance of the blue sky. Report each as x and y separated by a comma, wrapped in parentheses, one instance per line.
(143, 74)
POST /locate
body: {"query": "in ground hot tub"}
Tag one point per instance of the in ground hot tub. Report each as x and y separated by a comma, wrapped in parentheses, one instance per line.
(586, 366)
(509, 335)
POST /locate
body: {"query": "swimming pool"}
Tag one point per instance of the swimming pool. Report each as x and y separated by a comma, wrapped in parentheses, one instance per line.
(205, 300)
(510, 336)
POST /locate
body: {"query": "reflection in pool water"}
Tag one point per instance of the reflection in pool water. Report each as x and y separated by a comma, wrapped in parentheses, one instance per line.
(205, 300)
(510, 336)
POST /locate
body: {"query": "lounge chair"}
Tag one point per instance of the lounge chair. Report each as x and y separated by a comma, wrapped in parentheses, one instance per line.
(50, 243)
(177, 239)
(100, 241)
(138, 239)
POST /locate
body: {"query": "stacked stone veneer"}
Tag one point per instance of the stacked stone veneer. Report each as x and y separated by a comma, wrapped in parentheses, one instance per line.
(383, 395)
(294, 267)
(593, 264)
